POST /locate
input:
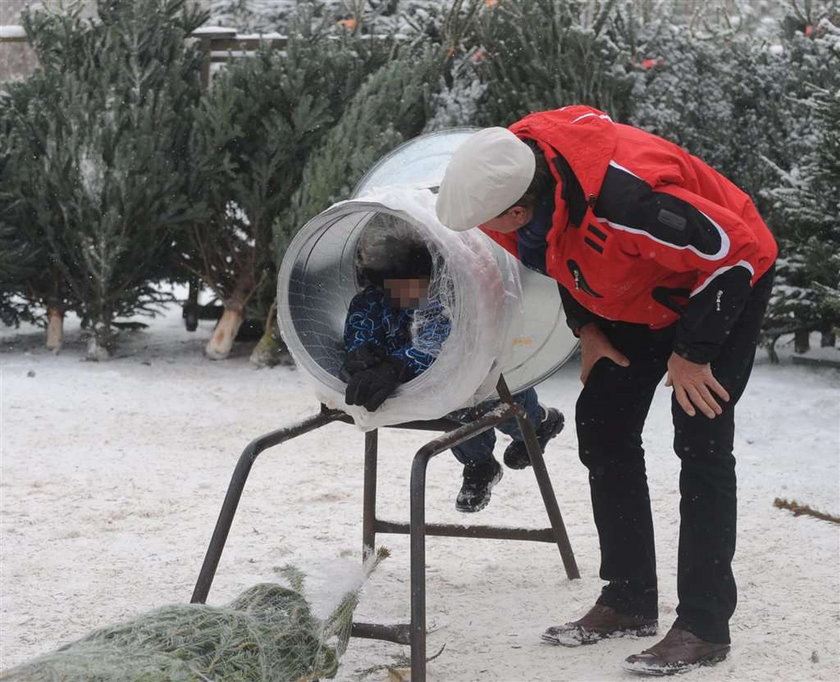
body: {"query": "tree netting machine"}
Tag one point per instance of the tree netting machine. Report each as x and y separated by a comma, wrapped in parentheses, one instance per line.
(492, 297)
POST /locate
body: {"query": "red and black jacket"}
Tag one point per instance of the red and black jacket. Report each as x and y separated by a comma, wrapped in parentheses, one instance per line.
(644, 232)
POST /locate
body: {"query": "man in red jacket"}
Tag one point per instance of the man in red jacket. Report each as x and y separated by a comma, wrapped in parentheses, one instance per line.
(664, 266)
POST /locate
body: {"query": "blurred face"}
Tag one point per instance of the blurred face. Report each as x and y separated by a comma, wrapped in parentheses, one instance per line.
(408, 292)
(509, 221)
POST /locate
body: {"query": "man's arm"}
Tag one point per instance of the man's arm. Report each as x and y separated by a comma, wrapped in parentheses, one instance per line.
(685, 232)
(576, 315)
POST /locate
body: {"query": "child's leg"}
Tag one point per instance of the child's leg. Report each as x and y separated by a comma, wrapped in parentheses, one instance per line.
(477, 451)
(529, 402)
(481, 471)
(547, 424)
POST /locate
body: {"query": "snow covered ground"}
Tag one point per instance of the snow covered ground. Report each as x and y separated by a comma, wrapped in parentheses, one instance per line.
(113, 474)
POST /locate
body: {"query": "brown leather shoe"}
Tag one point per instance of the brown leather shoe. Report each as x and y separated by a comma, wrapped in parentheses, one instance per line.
(599, 623)
(677, 652)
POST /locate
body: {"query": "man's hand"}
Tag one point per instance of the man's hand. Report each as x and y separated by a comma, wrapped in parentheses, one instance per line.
(693, 385)
(595, 345)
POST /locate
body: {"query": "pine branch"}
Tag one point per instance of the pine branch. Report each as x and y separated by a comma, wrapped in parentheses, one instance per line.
(803, 509)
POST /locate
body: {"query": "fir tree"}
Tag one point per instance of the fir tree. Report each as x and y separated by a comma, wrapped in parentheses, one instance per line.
(106, 173)
(543, 54)
(19, 261)
(33, 286)
(807, 293)
(392, 106)
(730, 100)
(252, 16)
(259, 124)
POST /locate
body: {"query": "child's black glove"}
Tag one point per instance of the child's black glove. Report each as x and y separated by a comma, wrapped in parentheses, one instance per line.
(364, 357)
(372, 387)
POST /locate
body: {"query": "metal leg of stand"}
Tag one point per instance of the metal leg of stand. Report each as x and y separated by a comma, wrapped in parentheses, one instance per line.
(535, 453)
(234, 493)
(418, 526)
(418, 565)
(369, 503)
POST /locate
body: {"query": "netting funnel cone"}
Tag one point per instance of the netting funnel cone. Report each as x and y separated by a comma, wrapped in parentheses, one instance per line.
(504, 318)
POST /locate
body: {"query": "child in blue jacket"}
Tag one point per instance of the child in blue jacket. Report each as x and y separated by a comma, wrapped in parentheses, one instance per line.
(381, 355)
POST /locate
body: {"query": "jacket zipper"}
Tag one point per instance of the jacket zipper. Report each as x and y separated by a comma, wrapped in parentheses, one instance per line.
(580, 282)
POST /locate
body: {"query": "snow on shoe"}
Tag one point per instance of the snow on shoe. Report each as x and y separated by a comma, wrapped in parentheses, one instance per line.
(572, 634)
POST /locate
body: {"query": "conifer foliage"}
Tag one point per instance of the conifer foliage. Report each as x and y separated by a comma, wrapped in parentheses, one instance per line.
(28, 278)
(807, 295)
(117, 172)
(102, 156)
(543, 54)
(256, 129)
(392, 106)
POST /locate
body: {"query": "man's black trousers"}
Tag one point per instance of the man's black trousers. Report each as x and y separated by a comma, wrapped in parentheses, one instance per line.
(611, 412)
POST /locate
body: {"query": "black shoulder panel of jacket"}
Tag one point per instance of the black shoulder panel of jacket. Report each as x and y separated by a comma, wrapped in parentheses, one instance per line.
(629, 203)
(571, 191)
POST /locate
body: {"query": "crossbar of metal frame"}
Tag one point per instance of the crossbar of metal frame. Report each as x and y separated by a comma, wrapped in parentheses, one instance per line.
(398, 634)
(482, 532)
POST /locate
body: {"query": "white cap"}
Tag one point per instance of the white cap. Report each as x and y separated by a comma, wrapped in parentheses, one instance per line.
(488, 174)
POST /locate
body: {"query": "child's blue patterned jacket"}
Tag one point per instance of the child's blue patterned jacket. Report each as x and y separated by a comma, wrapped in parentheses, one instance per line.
(372, 319)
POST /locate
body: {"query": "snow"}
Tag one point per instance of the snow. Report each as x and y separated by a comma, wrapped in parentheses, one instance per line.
(113, 474)
(12, 33)
(213, 32)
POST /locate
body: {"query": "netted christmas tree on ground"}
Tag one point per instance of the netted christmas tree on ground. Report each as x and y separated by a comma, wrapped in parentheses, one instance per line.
(269, 633)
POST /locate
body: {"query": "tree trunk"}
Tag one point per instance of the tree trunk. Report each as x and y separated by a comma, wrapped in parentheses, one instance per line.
(271, 349)
(220, 344)
(771, 350)
(55, 328)
(97, 347)
(828, 340)
(801, 341)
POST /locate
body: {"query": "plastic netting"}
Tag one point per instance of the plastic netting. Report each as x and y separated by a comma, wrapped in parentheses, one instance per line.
(477, 284)
(267, 634)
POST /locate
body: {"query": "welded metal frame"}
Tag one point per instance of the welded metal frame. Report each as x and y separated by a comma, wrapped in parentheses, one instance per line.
(414, 633)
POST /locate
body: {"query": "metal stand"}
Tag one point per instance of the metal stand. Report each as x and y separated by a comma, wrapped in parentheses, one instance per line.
(415, 633)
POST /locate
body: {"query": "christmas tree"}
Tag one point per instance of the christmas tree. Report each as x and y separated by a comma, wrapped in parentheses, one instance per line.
(104, 174)
(543, 54)
(392, 106)
(380, 17)
(259, 123)
(21, 259)
(33, 285)
(807, 292)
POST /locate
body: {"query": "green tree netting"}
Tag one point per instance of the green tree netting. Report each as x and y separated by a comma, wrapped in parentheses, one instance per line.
(267, 634)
